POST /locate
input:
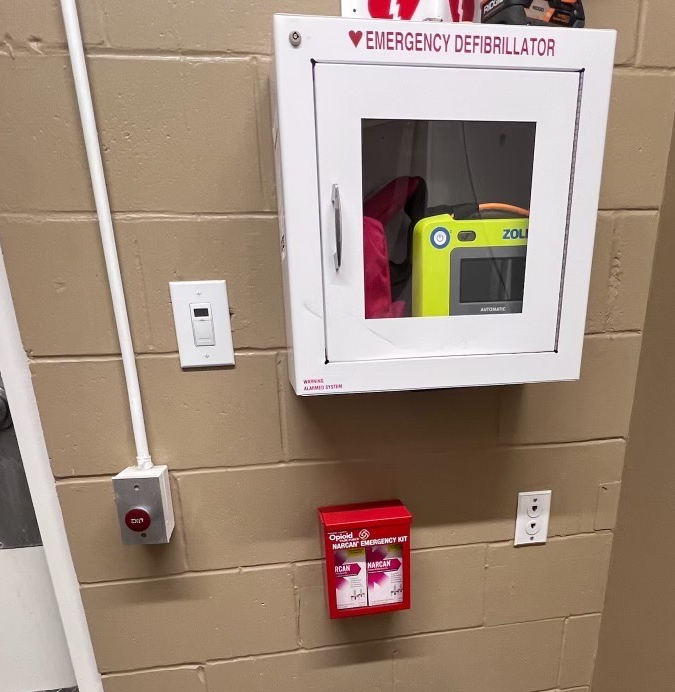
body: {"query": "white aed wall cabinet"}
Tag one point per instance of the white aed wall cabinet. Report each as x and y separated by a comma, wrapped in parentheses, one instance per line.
(438, 190)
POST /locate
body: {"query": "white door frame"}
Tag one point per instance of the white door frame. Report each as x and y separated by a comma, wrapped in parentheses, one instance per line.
(28, 427)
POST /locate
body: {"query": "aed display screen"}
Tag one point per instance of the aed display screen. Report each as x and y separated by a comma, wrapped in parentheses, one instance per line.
(492, 279)
(201, 312)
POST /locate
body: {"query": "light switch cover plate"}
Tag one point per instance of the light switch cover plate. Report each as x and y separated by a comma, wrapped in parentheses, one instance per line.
(188, 297)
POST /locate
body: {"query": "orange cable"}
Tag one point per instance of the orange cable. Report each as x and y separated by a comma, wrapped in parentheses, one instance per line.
(499, 206)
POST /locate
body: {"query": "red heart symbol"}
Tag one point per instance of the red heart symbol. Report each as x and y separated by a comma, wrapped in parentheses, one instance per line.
(398, 9)
(356, 37)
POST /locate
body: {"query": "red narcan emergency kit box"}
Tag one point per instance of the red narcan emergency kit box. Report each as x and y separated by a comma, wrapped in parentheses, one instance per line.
(367, 549)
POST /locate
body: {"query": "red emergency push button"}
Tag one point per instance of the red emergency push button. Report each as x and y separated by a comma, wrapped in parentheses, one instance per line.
(137, 519)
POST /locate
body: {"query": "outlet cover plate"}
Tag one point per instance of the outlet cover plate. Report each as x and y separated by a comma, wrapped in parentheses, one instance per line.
(532, 517)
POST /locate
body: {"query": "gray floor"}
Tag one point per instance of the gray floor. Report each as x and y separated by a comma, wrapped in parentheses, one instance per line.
(18, 526)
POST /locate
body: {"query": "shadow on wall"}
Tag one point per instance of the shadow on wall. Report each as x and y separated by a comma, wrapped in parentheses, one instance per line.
(439, 452)
(432, 449)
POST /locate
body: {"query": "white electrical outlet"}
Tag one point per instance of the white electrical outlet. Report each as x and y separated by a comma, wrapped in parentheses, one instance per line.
(534, 509)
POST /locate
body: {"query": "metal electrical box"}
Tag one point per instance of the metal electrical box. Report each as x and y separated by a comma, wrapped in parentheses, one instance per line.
(144, 505)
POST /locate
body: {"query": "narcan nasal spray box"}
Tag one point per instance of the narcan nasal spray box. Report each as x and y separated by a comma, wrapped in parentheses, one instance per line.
(367, 550)
(385, 574)
(351, 584)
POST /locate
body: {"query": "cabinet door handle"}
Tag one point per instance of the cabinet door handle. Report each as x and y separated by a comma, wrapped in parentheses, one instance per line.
(338, 227)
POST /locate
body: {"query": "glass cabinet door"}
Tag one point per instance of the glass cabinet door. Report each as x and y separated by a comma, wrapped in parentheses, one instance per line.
(444, 196)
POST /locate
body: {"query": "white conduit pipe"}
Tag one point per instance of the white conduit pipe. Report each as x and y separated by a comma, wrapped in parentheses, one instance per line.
(78, 63)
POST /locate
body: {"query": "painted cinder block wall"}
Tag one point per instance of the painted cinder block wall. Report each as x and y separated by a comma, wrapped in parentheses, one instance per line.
(235, 602)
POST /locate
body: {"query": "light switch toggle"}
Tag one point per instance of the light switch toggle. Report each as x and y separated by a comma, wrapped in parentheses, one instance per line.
(202, 324)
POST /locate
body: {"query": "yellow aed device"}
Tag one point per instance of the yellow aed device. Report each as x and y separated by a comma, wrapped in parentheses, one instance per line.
(470, 266)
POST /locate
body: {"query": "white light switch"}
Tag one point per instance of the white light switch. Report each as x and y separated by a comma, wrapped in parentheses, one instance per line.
(201, 314)
(202, 324)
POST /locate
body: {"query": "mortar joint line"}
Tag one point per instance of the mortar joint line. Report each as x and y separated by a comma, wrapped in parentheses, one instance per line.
(639, 37)
(251, 568)
(562, 650)
(242, 351)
